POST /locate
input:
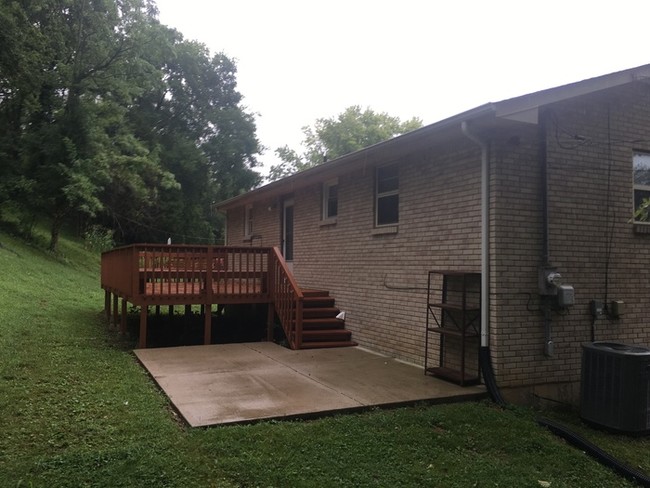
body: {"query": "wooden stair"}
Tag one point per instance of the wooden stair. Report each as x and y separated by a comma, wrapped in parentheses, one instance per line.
(320, 327)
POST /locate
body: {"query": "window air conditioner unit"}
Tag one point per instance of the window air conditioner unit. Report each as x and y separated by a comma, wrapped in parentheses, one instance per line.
(615, 386)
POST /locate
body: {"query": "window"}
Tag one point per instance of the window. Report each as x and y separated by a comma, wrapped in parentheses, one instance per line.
(248, 221)
(387, 196)
(330, 199)
(641, 187)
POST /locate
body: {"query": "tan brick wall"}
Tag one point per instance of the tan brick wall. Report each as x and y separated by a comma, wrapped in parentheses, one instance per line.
(380, 280)
(266, 225)
(590, 142)
(516, 236)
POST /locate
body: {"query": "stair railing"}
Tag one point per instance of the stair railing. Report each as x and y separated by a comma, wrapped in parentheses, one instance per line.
(287, 298)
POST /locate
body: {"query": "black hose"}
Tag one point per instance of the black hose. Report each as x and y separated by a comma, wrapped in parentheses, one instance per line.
(596, 452)
(571, 437)
(488, 376)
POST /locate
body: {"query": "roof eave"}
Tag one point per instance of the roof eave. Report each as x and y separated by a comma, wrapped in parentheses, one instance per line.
(526, 108)
(522, 109)
(288, 184)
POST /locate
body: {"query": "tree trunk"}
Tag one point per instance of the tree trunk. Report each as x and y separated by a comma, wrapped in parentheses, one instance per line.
(57, 223)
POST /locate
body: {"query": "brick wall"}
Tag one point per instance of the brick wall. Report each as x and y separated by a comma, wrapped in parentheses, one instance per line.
(266, 224)
(590, 142)
(380, 279)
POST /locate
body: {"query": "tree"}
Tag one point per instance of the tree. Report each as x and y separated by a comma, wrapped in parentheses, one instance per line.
(193, 119)
(21, 58)
(328, 139)
(107, 114)
(83, 64)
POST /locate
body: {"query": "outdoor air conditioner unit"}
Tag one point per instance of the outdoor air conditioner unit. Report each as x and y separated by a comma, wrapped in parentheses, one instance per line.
(615, 386)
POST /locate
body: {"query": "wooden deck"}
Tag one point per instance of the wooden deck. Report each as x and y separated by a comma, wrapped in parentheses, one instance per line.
(153, 275)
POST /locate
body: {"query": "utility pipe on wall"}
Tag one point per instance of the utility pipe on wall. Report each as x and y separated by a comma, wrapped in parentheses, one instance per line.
(546, 247)
(543, 160)
(485, 249)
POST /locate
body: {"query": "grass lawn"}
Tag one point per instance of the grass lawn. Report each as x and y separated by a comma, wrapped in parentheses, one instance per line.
(78, 410)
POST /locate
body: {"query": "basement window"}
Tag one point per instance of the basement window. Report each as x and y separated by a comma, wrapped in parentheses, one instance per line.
(387, 196)
(641, 187)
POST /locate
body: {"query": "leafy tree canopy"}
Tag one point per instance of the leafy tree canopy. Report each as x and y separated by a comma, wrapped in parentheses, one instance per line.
(331, 138)
(109, 117)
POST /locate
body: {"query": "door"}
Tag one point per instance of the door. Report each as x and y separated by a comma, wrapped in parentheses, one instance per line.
(287, 231)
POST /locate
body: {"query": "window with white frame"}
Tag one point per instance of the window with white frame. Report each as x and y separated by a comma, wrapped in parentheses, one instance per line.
(330, 199)
(387, 195)
(641, 187)
(248, 221)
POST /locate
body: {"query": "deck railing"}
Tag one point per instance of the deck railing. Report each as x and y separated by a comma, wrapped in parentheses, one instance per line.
(182, 273)
(155, 274)
(287, 299)
(119, 271)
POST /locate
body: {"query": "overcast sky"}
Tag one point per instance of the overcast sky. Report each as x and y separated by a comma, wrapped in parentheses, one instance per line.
(301, 60)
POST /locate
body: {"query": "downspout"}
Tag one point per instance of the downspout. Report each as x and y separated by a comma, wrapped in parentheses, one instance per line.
(485, 249)
(485, 360)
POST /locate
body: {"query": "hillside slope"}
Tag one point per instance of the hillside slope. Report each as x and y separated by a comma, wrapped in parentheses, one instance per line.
(77, 410)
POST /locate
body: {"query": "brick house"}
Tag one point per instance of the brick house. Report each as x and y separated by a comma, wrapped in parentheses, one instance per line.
(519, 190)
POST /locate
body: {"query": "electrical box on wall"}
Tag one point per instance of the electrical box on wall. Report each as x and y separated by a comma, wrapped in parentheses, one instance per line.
(549, 279)
(596, 308)
(616, 308)
(565, 296)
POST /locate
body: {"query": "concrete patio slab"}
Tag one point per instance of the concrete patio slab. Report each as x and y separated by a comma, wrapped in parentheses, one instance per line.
(231, 383)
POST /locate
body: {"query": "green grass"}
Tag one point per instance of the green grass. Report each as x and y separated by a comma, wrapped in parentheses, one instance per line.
(78, 410)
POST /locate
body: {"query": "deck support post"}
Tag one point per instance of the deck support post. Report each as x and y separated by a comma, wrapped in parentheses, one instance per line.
(207, 314)
(188, 310)
(123, 317)
(157, 310)
(171, 311)
(270, 315)
(207, 325)
(115, 306)
(142, 343)
(107, 305)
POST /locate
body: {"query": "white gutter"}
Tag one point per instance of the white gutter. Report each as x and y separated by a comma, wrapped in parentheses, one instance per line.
(485, 247)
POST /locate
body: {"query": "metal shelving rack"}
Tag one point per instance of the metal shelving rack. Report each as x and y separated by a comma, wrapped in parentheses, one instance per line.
(452, 311)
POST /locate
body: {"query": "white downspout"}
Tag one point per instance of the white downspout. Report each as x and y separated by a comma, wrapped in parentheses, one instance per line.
(485, 247)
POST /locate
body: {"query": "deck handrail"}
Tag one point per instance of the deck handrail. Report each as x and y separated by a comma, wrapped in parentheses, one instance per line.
(149, 272)
(287, 298)
(116, 273)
